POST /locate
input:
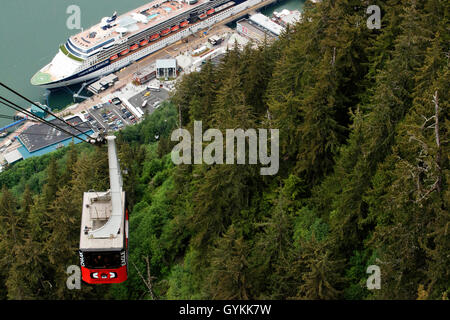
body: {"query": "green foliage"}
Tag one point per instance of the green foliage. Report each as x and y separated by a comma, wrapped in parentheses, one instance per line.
(307, 226)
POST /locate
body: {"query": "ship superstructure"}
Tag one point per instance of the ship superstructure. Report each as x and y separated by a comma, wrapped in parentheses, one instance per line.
(118, 41)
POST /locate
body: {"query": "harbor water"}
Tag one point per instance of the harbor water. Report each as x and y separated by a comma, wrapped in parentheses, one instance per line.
(283, 4)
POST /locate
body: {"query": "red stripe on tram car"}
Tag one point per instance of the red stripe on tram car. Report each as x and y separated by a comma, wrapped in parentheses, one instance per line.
(104, 276)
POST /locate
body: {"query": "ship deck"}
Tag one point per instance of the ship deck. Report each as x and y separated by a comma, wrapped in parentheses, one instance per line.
(154, 13)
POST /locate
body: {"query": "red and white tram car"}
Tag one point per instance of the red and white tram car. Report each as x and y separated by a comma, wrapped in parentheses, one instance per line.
(104, 229)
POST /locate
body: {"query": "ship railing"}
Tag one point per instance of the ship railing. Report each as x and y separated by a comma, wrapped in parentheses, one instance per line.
(121, 40)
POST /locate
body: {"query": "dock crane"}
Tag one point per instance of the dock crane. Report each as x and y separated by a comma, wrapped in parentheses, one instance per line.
(104, 228)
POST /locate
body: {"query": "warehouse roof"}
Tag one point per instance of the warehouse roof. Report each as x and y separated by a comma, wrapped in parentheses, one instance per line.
(13, 156)
(39, 136)
(266, 23)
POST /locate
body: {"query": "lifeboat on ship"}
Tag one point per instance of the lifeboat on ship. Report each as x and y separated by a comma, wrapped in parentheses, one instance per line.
(202, 16)
(184, 24)
(114, 57)
(210, 12)
(134, 47)
(143, 43)
(175, 28)
(154, 37)
(165, 32)
(124, 52)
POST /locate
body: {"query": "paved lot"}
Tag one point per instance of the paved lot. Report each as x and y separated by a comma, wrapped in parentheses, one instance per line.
(109, 116)
(153, 98)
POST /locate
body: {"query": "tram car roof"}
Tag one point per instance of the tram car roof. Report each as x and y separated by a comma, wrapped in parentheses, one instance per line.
(97, 214)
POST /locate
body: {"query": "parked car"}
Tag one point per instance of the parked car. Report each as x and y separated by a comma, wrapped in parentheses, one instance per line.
(116, 101)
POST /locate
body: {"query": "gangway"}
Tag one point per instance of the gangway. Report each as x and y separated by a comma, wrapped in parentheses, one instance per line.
(16, 123)
(84, 85)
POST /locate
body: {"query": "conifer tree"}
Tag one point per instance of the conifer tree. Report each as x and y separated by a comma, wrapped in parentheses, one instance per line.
(229, 267)
(10, 235)
(71, 159)
(52, 185)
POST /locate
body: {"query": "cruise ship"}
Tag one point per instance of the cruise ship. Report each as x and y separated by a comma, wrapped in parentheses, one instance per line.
(118, 41)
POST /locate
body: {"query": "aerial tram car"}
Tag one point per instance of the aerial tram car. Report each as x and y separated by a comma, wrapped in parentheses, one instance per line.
(104, 229)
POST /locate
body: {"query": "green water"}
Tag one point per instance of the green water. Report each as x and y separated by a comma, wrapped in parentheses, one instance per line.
(32, 30)
(286, 4)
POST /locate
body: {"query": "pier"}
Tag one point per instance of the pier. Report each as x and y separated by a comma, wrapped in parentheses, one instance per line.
(12, 125)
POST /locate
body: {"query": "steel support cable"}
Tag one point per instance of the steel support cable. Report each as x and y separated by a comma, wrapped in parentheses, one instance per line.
(34, 103)
(49, 134)
(42, 134)
(17, 108)
(43, 121)
(20, 109)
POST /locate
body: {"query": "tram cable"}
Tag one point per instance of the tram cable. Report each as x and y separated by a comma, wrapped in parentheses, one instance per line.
(48, 134)
(35, 104)
(14, 106)
(17, 108)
